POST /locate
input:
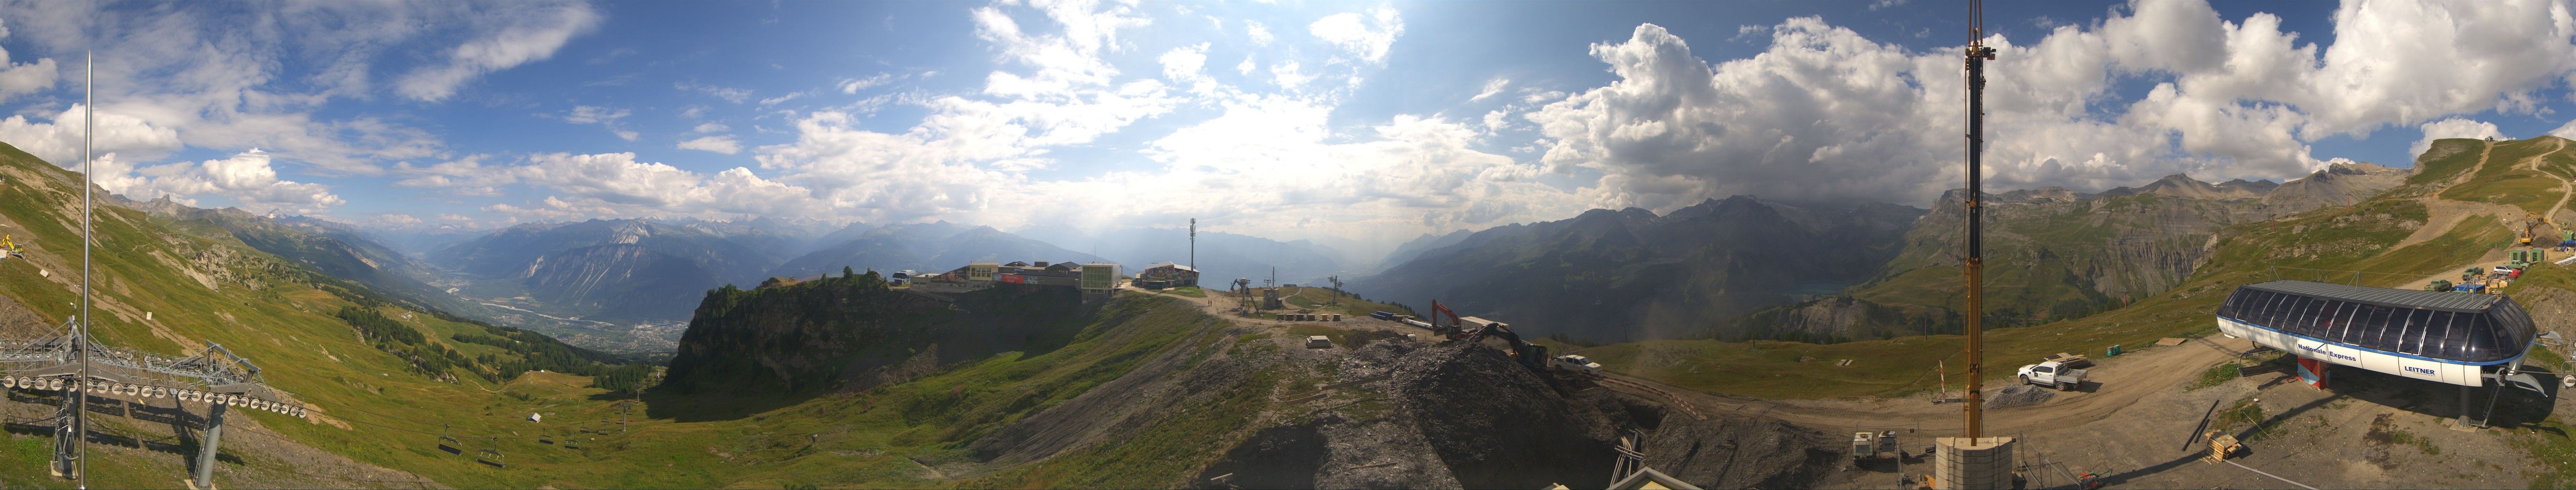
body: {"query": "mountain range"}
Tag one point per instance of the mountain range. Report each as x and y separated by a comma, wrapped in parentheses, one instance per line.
(1220, 256)
(1614, 275)
(2057, 254)
(927, 247)
(1746, 268)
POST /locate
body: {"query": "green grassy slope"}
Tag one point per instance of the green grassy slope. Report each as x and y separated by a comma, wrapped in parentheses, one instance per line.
(1352, 307)
(2448, 158)
(2050, 255)
(205, 286)
(380, 408)
(2504, 181)
(878, 438)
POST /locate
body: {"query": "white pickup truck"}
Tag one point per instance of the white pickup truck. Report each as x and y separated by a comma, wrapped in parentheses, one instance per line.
(1575, 363)
(2052, 373)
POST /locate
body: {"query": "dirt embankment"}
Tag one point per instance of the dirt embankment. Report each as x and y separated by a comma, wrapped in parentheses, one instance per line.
(1461, 415)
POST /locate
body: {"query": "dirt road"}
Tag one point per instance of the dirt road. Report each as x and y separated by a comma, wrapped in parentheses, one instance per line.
(2442, 214)
(2114, 384)
(2446, 214)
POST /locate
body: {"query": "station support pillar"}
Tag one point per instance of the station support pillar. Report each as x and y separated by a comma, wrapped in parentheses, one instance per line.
(205, 479)
(2313, 372)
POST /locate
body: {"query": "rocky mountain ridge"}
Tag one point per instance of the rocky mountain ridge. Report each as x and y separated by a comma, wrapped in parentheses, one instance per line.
(1611, 275)
(2056, 254)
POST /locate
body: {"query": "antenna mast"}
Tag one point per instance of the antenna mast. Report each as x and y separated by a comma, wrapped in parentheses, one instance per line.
(1194, 248)
(80, 331)
(1977, 55)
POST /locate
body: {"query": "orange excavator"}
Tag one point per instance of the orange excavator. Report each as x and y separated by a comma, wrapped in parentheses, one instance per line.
(1450, 329)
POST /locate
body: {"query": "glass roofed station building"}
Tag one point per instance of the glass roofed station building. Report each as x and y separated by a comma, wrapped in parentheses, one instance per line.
(2450, 337)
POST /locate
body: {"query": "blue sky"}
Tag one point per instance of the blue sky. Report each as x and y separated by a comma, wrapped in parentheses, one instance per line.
(1365, 121)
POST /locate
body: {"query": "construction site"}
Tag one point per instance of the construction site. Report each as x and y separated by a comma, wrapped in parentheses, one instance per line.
(2328, 383)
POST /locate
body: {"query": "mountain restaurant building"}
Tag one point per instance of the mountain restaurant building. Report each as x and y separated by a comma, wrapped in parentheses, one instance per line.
(1099, 280)
(981, 272)
(1167, 274)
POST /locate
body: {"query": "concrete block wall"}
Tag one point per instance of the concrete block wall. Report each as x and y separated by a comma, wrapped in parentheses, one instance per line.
(1960, 463)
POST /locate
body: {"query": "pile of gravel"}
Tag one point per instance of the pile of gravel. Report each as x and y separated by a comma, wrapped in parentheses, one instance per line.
(2020, 396)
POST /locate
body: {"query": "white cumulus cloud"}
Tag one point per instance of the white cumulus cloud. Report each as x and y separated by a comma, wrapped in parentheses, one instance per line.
(246, 179)
(854, 85)
(531, 36)
(1492, 88)
(1260, 34)
(1368, 37)
(1824, 114)
(720, 144)
(2454, 128)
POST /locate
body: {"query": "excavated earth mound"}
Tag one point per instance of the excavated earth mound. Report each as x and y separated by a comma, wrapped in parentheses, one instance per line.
(1458, 415)
(1740, 452)
(1497, 424)
(2020, 396)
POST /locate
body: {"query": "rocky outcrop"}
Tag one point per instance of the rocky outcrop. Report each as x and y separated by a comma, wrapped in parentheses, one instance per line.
(621, 281)
(1463, 415)
(2340, 184)
(849, 332)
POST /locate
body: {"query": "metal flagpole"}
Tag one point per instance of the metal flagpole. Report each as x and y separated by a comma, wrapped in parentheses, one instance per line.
(80, 334)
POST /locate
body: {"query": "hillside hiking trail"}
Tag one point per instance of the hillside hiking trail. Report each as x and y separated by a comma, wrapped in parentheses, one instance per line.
(2449, 213)
(2565, 187)
(2444, 214)
(2113, 384)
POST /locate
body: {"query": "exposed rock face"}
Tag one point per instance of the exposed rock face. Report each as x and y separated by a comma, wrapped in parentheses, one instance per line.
(845, 333)
(1464, 415)
(2340, 184)
(622, 281)
(2552, 309)
(1740, 452)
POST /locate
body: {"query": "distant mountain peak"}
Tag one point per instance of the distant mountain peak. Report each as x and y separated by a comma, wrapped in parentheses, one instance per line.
(2043, 194)
(2177, 182)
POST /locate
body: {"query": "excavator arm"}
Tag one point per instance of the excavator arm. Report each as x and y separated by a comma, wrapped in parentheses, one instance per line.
(1452, 329)
(1528, 354)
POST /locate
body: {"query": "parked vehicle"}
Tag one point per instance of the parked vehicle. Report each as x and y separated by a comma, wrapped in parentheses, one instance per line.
(1319, 342)
(2052, 374)
(1575, 363)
